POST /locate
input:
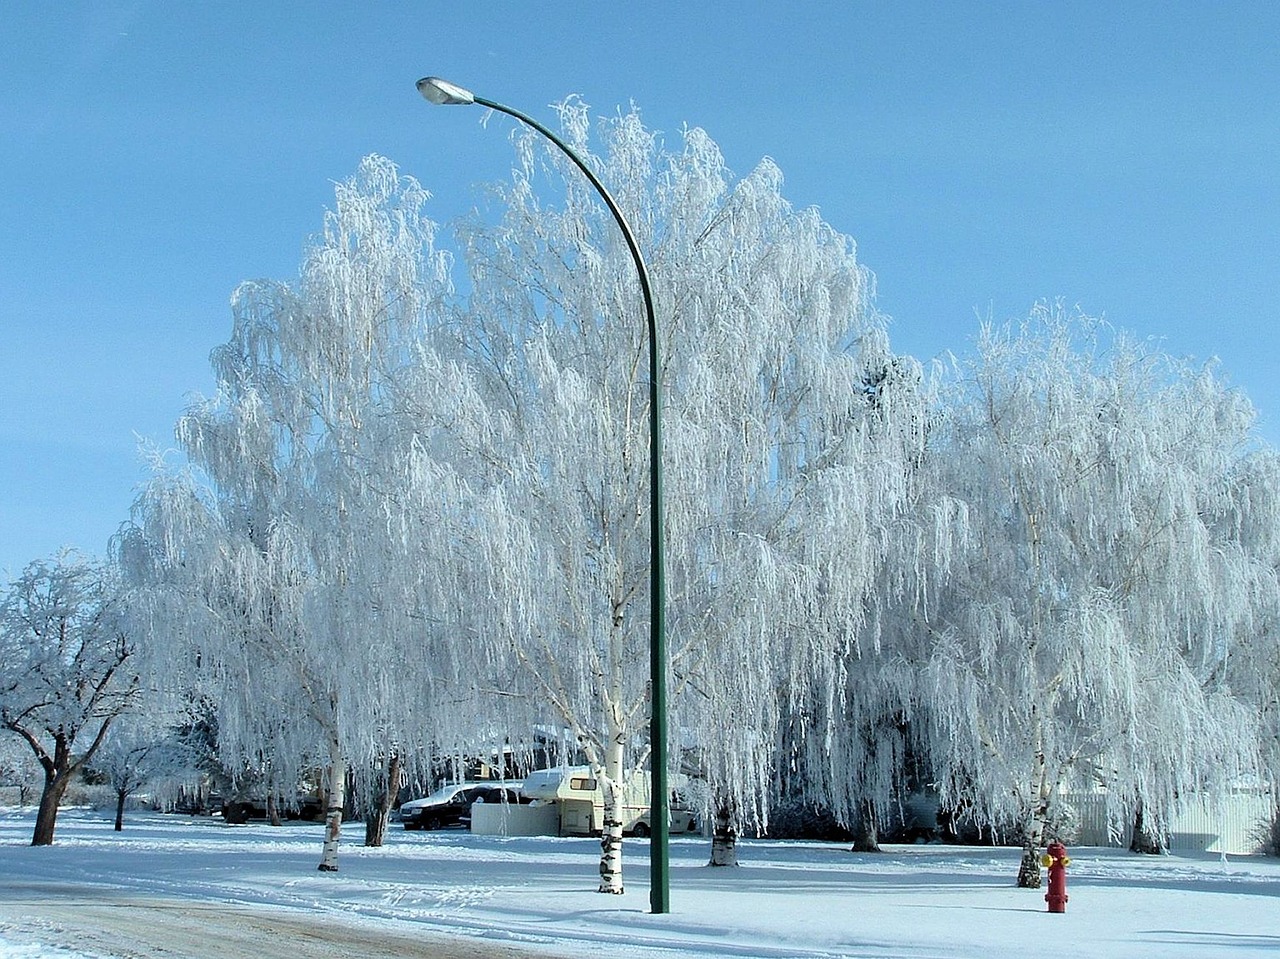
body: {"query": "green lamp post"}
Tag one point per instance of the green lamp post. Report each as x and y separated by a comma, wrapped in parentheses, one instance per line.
(443, 92)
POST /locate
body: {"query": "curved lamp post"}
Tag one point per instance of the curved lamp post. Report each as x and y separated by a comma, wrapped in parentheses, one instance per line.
(444, 92)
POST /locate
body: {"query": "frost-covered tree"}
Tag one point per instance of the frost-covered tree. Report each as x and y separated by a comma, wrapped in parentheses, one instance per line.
(796, 478)
(851, 732)
(766, 335)
(279, 548)
(19, 769)
(552, 415)
(140, 752)
(66, 670)
(226, 614)
(1078, 642)
(1251, 644)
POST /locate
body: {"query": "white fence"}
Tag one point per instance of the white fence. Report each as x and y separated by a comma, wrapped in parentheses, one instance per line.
(1238, 825)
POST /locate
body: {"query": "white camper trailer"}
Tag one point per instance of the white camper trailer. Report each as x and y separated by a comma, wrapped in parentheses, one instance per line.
(580, 799)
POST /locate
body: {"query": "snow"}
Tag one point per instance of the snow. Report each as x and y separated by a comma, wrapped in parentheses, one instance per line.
(787, 899)
(10, 950)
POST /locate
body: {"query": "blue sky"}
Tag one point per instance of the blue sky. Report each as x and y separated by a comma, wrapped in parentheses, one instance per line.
(1121, 156)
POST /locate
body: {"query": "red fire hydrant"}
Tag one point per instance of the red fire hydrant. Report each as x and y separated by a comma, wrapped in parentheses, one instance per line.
(1056, 860)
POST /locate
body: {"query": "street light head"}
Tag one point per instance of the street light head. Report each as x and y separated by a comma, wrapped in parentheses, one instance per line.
(442, 91)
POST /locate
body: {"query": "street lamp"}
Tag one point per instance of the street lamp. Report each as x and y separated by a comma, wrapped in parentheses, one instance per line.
(444, 92)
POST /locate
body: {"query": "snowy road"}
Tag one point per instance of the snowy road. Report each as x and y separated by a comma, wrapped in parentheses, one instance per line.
(82, 922)
(172, 887)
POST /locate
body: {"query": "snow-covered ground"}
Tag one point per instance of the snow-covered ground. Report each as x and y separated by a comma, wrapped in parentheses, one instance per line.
(787, 899)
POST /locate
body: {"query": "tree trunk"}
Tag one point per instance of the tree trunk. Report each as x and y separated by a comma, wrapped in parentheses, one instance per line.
(379, 814)
(1029, 867)
(121, 796)
(1147, 839)
(724, 841)
(1038, 817)
(335, 799)
(1033, 839)
(866, 837)
(273, 808)
(611, 831)
(55, 784)
(375, 826)
(275, 817)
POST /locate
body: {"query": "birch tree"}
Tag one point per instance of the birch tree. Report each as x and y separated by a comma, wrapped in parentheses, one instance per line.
(556, 411)
(223, 599)
(1077, 643)
(66, 669)
(280, 538)
(766, 330)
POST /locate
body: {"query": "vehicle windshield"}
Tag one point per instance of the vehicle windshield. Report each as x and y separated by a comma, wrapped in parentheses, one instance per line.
(446, 793)
(443, 794)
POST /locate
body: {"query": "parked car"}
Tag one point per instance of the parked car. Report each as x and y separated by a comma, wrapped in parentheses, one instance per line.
(306, 806)
(450, 806)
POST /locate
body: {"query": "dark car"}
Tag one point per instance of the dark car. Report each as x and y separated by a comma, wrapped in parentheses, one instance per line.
(450, 806)
(307, 806)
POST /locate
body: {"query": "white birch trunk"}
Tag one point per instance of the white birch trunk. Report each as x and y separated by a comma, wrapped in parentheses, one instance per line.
(335, 798)
(611, 831)
(1038, 815)
(724, 841)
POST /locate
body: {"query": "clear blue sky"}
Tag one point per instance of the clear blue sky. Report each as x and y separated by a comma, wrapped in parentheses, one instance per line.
(1122, 156)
